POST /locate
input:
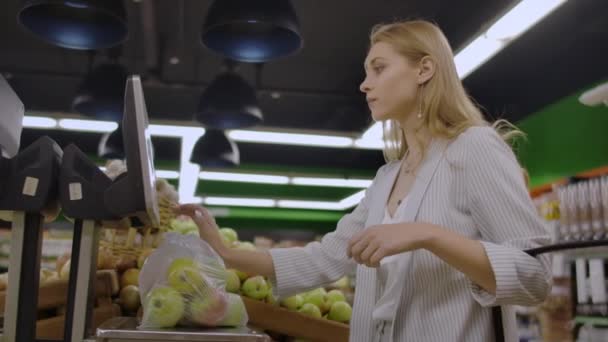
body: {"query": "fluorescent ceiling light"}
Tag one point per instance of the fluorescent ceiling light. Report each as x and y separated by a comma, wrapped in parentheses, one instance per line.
(374, 132)
(188, 172)
(290, 138)
(241, 202)
(507, 28)
(370, 144)
(191, 200)
(475, 54)
(167, 174)
(521, 17)
(243, 177)
(332, 182)
(39, 122)
(344, 204)
(88, 125)
(175, 131)
(309, 205)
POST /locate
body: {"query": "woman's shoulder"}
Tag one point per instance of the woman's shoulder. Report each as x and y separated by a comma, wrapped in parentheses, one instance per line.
(477, 143)
(475, 135)
(477, 139)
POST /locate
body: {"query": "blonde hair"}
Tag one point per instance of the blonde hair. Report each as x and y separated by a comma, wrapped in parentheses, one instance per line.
(446, 108)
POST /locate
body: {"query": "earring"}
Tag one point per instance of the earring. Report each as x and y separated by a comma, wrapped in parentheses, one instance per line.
(419, 115)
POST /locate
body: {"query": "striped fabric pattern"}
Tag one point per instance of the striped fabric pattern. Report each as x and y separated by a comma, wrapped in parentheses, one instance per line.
(472, 185)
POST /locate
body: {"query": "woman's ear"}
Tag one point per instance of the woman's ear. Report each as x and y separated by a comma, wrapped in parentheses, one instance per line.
(426, 69)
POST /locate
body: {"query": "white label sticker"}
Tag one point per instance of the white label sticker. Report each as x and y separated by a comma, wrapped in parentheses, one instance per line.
(75, 191)
(30, 186)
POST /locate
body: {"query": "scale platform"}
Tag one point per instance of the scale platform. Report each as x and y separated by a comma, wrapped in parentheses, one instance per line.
(124, 329)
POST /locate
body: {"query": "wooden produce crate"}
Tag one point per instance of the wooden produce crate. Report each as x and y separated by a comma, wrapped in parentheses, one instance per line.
(280, 320)
(53, 295)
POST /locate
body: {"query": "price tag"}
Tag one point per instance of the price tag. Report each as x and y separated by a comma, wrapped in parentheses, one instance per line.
(75, 191)
(30, 186)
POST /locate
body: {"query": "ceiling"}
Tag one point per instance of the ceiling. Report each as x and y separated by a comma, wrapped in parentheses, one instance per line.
(318, 86)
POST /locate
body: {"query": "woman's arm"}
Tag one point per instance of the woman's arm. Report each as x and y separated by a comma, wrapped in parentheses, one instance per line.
(466, 255)
(292, 270)
(507, 220)
(253, 262)
(501, 273)
(462, 253)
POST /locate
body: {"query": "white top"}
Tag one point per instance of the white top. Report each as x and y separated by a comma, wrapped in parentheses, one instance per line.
(388, 273)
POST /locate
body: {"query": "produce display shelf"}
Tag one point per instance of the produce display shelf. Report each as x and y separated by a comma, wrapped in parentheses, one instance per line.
(291, 323)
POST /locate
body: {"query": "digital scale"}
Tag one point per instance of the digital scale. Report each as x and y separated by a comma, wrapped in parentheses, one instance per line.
(34, 179)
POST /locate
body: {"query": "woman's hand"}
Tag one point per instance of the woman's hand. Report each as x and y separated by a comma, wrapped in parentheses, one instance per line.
(372, 244)
(207, 228)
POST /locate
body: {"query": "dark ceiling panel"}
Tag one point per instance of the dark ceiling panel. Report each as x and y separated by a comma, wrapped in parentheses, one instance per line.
(303, 156)
(165, 149)
(317, 87)
(564, 53)
(335, 35)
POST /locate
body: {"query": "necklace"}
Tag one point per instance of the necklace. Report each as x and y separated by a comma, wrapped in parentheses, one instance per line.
(407, 168)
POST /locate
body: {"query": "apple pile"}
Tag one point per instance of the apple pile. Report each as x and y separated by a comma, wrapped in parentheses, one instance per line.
(183, 225)
(187, 297)
(318, 303)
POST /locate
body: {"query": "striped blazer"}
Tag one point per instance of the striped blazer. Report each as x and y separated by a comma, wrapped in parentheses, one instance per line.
(473, 185)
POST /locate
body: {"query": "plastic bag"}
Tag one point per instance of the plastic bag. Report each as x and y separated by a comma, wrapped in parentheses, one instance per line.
(184, 283)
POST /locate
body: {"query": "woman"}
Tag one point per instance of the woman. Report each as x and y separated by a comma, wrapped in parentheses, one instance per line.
(437, 240)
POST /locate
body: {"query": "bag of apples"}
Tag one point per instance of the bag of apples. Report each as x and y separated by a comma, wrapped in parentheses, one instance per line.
(184, 283)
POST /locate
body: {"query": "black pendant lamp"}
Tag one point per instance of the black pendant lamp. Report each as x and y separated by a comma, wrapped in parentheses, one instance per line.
(76, 24)
(229, 102)
(252, 31)
(101, 94)
(111, 145)
(215, 149)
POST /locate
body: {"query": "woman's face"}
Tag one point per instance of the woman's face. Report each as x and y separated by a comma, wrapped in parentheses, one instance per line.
(390, 84)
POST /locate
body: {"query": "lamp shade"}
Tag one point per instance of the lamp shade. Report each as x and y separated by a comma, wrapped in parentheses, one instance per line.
(101, 94)
(229, 102)
(215, 149)
(111, 145)
(252, 31)
(76, 24)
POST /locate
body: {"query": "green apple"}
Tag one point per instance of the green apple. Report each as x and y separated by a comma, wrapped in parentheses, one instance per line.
(340, 312)
(233, 282)
(317, 297)
(246, 246)
(184, 226)
(293, 303)
(310, 310)
(185, 275)
(236, 314)
(179, 263)
(242, 275)
(208, 309)
(341, 283)
(255, 287)
(229, 236)
(271, 299)
(335, 296)
(163, 307)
